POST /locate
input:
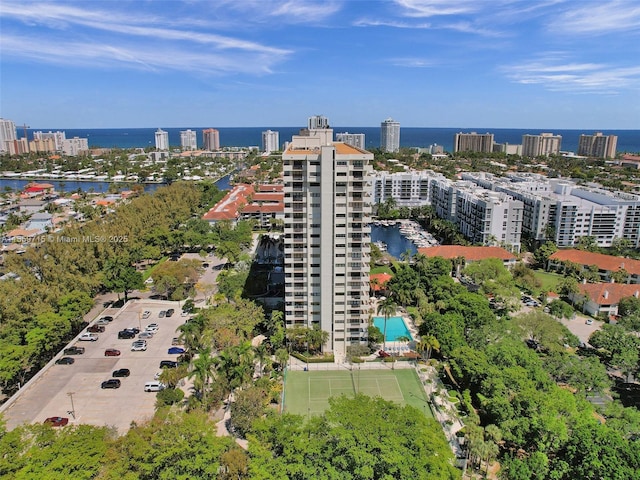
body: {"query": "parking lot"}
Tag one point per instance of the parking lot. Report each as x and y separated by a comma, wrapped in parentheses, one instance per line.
(60, 390)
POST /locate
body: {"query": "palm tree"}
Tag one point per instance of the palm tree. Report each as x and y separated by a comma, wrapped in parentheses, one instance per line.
(428, 343)
(203, 371)
(387, 307)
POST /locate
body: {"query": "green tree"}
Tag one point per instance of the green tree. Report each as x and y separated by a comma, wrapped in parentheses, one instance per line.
(357, 438)
(620, 347)
(120, 276)
(249, 405)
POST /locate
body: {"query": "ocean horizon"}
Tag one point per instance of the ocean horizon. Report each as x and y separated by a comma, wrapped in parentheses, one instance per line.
(628, 140)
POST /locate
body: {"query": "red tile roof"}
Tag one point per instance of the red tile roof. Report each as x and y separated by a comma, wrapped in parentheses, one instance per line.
(227, 208)
(271, 188)
(470, 254)
(608, 293)
(609, 263)
(269, 208)
(382, 279)
(268, 197)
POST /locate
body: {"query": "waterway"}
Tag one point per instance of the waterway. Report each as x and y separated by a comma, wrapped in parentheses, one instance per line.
(396, 242)
(87, 186)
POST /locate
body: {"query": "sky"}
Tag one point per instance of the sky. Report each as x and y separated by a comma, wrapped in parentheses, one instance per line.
(272, 63)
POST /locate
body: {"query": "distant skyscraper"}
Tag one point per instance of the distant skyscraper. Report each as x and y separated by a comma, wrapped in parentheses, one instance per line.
(390, 135)
(541, 145)
(75, 146)
(327, 238)
(162, 140)
(270, 141)
(211, 139)
(598, 145)
(355, 139)
(188, 140)
(317, 121)
(7, 134)
(473, 142)
(57, 137)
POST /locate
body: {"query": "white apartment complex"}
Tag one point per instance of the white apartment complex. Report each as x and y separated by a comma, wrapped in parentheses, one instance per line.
(542, 145)
(327, 210)
(390, 135)
(162, 139)
(8, 133)
(353, 139)
(562, 211)
(598, 145)
(270, 141)
(188, 140)
(408, 189)
(75, 146)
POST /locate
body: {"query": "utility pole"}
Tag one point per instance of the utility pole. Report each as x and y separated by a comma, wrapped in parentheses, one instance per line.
(72, 412)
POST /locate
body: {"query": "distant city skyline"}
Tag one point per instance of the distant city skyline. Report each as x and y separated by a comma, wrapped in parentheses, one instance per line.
(425, 63)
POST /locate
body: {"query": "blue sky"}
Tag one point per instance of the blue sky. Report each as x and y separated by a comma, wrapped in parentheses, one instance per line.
(225, 63)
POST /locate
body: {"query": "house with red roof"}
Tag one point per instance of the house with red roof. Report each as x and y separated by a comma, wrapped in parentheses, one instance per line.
(243, 202)
(470, 254)
(378, 282)
(607, 264)
(603, 298)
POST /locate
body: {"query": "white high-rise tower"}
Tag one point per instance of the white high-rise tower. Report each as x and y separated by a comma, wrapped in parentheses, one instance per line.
(390, 135)
(327, 237)
(162, 140)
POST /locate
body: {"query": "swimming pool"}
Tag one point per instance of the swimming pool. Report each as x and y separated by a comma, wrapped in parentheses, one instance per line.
(395, 328)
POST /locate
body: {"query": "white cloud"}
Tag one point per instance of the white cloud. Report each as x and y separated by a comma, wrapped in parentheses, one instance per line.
(598, 18)
(576, 77)
(412, 62)
(432, 8)
(108, 55)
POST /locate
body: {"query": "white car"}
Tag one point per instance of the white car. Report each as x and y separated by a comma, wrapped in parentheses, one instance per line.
(146, 314)
(88, 337)
(139, 346)
(152, 327)
(145, 335)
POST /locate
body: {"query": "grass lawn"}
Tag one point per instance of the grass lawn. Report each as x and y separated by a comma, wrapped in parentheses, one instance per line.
(308, 393)
(149, 271)
(381, 269)
(549, 280)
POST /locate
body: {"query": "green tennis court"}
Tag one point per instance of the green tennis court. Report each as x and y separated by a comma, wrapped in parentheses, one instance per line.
(308, 393)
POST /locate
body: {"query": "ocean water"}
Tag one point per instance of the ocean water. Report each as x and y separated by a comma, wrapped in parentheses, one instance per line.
(628, 140)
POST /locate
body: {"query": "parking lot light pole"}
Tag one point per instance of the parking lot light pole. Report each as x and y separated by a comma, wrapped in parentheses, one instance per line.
(72, 412)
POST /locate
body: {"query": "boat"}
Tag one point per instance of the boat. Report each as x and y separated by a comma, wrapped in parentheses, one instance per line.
(381, 245)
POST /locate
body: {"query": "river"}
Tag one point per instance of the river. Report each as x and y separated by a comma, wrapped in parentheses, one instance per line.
(85, 186)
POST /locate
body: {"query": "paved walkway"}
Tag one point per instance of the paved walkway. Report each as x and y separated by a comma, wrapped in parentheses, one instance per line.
(443, 410)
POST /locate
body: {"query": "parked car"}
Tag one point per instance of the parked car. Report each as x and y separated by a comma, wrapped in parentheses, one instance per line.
(135, 330)
(111, 352)
(139, 346)
(168, 364)
(589, 321)
(123, 372)
(108, 318)
(154, 386)
(111, 383)
(161, 314)
(152, 327)
(88, 337)
(65, 361)
(184, 313)
(176, 341)
(146, 314)
(103, 321)
(96, 329)
(73, 350)
(146, 335)
(175, 351)
(170, 312)
(56, 421)
(126, 334)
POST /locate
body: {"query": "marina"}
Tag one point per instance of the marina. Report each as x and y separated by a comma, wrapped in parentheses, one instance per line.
(399, 236)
